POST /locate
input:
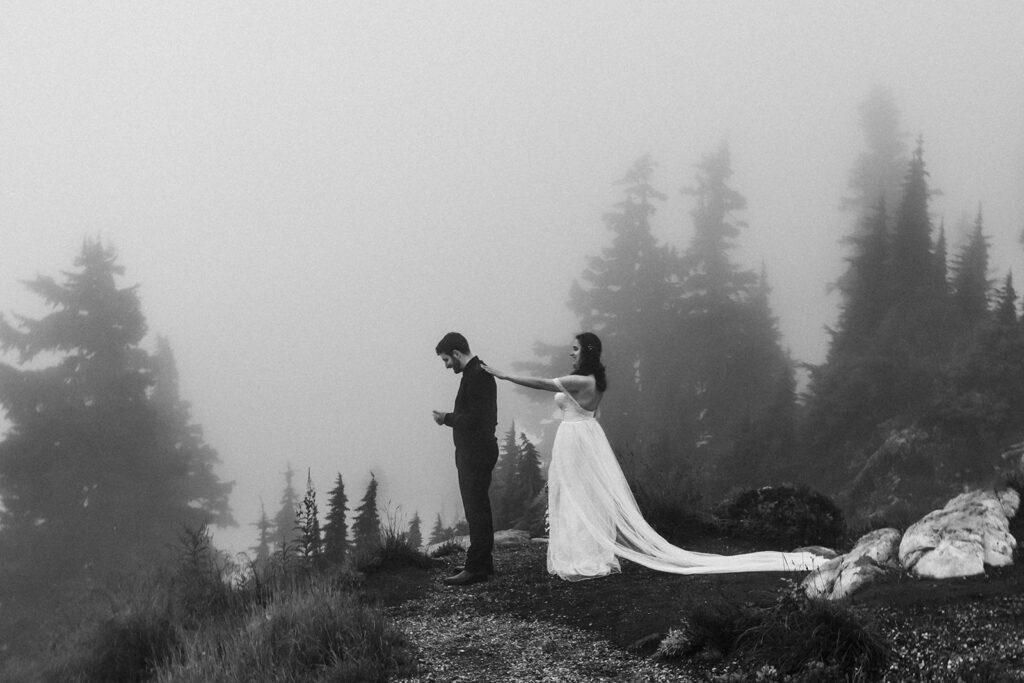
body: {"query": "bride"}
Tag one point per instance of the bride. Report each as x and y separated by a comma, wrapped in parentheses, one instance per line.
(593, 518)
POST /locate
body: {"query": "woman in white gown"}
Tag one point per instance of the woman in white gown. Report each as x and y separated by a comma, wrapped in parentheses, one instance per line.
(593, 519)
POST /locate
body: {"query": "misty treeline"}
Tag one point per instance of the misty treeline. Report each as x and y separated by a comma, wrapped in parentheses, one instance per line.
(922, 386)
(518, 497)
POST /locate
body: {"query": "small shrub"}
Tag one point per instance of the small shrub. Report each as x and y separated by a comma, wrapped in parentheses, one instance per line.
(785, 515)
(129, 647)
(316, 633)
(798, 634)
(449, 547)
(795, 638)
(393, 552)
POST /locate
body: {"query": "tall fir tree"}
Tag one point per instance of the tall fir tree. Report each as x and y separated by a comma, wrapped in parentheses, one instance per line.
(971, 285)
(878, 172)
(264, 537)
(366, 527)
(1006, 303)
(308, 523)
(415, 534)
(911, 263)
(621, 296)
(503, 493)
(95, 475)
(336, 526)
(437, 532)
(286, 531)
(726, 361)
(864, 288)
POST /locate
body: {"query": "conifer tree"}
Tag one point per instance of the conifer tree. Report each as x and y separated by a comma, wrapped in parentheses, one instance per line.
(726, 362)
(503, 482)
(1006, 304)
(529, 484)
(286, 531)
(265, 536)
(308, 522)
(336, 527)
(911, 264)
(366, 527)
(95, 474)
(415, 534)
(864, 287)
(437, 533)
(878, 172)
(971, 285)
(621, 296)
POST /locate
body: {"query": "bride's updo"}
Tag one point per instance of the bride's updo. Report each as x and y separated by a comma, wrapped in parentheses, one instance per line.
(590, 359)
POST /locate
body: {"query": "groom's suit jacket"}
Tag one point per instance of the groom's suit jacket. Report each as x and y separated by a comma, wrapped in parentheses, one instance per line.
(475, 418)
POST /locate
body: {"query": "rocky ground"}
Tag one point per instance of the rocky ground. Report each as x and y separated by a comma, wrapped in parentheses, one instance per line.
(526, 626)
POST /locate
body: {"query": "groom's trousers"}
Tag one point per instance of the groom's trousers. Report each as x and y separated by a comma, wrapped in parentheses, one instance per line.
(474, 485)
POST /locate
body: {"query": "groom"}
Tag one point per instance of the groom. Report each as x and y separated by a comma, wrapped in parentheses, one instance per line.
(473, 421)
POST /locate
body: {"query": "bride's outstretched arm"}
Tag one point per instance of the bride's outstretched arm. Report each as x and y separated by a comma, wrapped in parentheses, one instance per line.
(529, 382)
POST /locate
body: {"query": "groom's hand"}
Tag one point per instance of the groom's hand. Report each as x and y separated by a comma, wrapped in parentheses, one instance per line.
(439, 416)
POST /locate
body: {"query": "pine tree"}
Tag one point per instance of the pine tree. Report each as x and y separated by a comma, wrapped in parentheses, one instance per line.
(1006, 304)
(503, 491)
(415, 535)
(182, 440)
(437, 533)
(878, 172)
(336, 528)
(726, 361)
(366, 528)
(912, 247)
(286, 532)
(308, 522)
(95, 475)
(265, 536)
(529, 483)
(971, 285)
(864, 287)
(622, 298)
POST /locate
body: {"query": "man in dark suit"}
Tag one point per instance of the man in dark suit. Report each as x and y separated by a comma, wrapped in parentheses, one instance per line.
(473, 421)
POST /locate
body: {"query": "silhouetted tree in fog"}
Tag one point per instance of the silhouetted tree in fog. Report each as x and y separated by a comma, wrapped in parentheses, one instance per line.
(100, 468)
(336, 528)
(723, 358)
(286, 531)
(415, 533)
(437, 533)
(622, 296)
(265, 536)
(366, 527)
(503, 479)
(971, 285)
(878, 172)
(308, 522)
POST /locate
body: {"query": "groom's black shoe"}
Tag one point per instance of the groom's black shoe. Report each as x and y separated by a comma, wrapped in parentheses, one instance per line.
(490, 569)
(464, 578)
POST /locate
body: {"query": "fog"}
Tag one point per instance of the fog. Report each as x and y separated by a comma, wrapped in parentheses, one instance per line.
(310, 195)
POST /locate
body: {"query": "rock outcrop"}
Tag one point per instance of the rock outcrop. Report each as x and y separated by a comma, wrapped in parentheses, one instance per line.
(839, 578)
(971, 531)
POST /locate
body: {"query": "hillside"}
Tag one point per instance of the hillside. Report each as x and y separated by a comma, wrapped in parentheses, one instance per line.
(526, 626)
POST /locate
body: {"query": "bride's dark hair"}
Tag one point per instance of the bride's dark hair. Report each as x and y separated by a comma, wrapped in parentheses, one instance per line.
(590, 359)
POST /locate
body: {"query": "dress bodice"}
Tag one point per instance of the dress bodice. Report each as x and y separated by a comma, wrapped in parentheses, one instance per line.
(571, 410)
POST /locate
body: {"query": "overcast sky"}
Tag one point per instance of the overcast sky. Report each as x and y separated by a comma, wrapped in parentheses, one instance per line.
(310, 194)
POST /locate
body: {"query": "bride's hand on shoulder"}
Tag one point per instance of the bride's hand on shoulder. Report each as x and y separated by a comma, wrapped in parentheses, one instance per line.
(494, 371)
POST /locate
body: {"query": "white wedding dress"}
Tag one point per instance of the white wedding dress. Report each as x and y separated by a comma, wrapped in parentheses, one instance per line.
(593, 519)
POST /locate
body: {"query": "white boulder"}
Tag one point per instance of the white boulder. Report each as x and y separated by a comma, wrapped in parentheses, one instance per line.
(971, 531)
(873, 555)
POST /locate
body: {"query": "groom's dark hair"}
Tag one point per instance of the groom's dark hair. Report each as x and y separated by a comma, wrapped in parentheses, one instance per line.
(453, 341)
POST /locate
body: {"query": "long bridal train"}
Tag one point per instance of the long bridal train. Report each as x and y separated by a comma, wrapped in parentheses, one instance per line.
(594, 519)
